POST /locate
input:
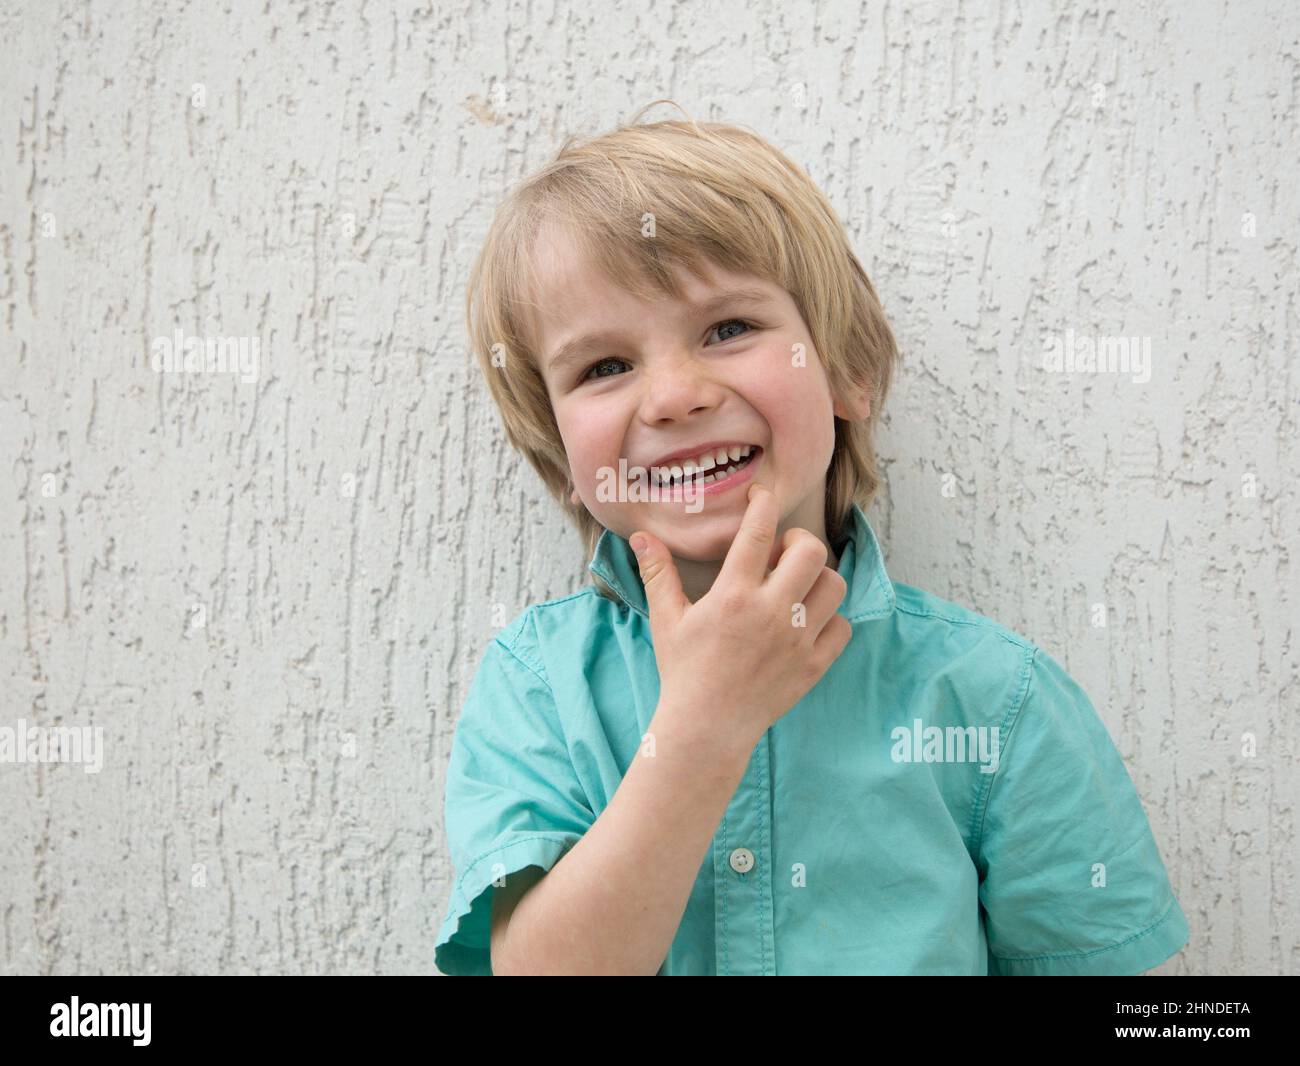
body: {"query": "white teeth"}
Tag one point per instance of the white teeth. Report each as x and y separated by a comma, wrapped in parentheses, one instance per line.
(691, 468)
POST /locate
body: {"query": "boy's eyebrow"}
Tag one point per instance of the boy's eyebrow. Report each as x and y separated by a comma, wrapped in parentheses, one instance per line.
(574, 348)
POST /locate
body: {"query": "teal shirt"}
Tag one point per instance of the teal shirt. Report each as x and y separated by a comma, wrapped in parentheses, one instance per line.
(874, 831)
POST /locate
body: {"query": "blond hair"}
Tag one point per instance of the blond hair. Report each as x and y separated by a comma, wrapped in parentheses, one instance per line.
(716, 192)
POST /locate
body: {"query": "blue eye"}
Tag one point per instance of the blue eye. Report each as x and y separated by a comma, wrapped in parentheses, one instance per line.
(587, 376)
(734, 322)
(602, 362)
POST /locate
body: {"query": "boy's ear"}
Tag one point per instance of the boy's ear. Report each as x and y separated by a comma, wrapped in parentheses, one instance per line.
(855, 407)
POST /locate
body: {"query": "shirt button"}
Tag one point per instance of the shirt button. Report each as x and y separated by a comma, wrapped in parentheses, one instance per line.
(742, 860)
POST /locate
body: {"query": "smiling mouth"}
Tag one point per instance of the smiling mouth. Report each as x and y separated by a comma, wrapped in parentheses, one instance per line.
(694, 489)
(715, 474)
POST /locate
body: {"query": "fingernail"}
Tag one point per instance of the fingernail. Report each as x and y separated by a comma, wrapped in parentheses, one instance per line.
(638, 543)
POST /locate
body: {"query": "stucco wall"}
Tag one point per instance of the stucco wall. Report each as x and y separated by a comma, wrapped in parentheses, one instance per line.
(270, 588)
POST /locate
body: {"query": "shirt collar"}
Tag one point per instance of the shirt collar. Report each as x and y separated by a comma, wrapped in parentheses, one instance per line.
(870, 592)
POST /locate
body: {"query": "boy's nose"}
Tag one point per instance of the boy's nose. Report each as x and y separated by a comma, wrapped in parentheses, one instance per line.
(676, 389)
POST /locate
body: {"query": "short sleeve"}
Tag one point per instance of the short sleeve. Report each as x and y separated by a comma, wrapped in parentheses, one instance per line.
(512, 799)
(1071, 880)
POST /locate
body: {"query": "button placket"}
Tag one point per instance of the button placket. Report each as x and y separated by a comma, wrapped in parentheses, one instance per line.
(743, 921)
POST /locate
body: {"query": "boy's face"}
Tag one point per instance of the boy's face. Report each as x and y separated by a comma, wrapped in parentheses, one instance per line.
(670, 375)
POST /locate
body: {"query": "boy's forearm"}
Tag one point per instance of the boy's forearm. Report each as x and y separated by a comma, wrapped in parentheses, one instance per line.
(614, 901)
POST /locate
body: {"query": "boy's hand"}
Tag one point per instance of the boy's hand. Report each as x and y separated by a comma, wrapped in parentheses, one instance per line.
(743, 655)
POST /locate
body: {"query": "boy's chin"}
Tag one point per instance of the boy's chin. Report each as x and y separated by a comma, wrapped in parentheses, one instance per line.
(701, 548)
(708, 548)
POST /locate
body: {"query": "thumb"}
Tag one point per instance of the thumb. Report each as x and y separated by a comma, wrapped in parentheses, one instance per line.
(663, 585)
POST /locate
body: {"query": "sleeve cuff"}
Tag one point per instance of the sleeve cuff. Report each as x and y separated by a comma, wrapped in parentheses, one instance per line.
(1137, 954)
(463, 948)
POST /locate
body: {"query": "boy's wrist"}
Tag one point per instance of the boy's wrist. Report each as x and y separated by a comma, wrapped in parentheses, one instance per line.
(698, 735)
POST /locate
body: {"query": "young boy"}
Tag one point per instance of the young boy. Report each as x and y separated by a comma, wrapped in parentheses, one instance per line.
(745, 750)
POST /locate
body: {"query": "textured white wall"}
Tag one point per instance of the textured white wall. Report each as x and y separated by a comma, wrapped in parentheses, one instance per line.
(277, 662)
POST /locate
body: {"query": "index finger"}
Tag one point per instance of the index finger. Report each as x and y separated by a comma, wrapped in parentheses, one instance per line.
(749, 553)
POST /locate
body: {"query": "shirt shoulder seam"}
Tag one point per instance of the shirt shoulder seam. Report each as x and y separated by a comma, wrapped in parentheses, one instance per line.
(976, 623)
(522, 654)
(1009, 721)
(585, 591)
(538, 670)
(515, 631)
